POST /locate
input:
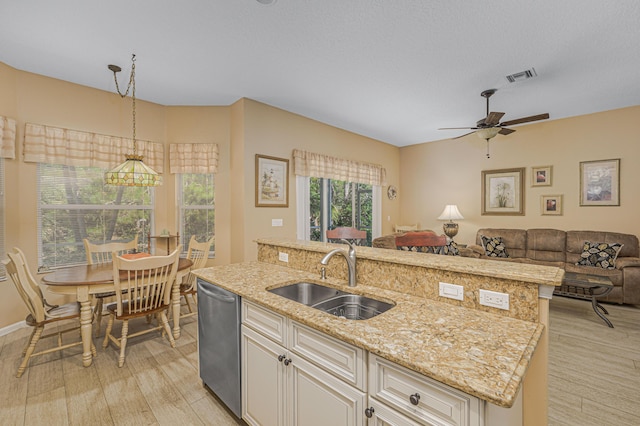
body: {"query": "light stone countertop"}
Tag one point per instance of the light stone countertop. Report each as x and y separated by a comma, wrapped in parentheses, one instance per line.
(480, 353)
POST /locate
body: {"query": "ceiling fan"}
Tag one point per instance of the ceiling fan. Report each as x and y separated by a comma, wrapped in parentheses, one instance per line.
(490, 126)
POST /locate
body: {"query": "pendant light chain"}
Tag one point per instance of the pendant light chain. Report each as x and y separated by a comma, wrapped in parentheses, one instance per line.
(131, 86)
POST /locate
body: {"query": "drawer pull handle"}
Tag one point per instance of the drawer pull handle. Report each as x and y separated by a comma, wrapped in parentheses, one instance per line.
(369, 412)
(415, 398)
(281, 358)
(287, 361)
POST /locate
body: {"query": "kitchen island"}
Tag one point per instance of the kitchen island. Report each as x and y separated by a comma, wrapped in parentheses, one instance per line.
(482, 353)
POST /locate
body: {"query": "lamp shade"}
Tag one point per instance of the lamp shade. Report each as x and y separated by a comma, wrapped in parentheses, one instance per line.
(133, 172)
(450, 212)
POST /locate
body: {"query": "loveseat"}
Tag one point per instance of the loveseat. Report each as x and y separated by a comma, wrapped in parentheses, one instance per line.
(564, 249)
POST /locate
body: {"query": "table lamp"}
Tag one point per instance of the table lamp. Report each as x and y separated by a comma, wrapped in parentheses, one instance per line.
(450, 213)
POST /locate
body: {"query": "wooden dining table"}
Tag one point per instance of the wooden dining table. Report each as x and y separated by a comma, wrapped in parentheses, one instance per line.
(83, 281)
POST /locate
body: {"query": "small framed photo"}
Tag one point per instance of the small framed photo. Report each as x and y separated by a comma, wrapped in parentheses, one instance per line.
(551, 205)
(272, 181)
(600, 183)
(541, 176)
(503, 192)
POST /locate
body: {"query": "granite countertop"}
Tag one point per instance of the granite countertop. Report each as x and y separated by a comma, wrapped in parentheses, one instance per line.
(480, 353)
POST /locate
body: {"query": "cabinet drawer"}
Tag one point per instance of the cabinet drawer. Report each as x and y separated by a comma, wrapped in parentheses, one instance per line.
(338, 358)
(341, 359)
(264, 321)
(434, 403)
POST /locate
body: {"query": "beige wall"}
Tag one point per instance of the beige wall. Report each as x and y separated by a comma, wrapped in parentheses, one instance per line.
(241, 130)
(449, 172)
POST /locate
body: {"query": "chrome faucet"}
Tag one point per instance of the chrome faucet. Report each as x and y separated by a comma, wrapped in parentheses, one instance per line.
(350, 257)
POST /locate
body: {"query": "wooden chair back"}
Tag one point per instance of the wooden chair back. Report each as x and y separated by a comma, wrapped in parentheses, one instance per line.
(351, 234)
(198, 253)
(144, 285)
(421, 241)
(18, 271)
(101, 253)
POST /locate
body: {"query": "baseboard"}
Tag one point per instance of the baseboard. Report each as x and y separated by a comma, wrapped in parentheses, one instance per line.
(11, 328)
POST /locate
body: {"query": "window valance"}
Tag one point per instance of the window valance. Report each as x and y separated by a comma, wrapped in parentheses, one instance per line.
(193, 158)
(54, 145)
(324, 166)
(8, 137)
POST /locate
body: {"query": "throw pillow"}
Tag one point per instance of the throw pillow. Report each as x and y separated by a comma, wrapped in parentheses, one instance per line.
(451, 249)
(601, 255)
(494, 246)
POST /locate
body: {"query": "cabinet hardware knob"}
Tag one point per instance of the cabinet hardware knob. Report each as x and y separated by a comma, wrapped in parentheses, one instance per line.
(281, 358)
(369, 412)
(287, 361)
(415, 398)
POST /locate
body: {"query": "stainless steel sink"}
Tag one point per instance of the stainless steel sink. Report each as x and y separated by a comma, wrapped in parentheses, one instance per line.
(307, 293)
(333, 301)
(353, 306)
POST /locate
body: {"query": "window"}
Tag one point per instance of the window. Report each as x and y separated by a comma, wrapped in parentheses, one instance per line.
(196, 207)
(74, 203)
(328, 203)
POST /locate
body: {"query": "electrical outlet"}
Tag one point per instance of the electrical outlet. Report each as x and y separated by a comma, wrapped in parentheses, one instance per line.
(451, 291)
(283, 257)
(494, 299)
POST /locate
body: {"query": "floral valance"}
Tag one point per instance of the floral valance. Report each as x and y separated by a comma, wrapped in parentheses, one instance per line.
(54, 145)
(323, 166)
(193, 158)
(8, 137)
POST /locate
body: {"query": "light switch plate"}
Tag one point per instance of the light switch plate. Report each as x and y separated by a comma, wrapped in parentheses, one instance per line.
(283, 257)
(494, 299)
(451, 291)
(276, 222)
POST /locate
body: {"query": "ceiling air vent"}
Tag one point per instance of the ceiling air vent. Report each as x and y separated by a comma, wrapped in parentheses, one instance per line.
(522, 75)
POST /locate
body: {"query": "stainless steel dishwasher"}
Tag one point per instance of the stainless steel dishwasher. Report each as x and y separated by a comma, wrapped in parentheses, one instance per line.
(219, 343)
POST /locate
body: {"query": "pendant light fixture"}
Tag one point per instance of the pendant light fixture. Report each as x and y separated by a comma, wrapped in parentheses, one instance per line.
(133, 172)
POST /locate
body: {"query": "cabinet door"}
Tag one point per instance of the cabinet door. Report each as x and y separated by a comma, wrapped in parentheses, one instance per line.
(263, 380)
(319, 399)
(382, 415)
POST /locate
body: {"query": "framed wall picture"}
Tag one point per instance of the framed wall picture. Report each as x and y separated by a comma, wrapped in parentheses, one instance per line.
(551, 205)
(503, 192)
(541, 176)
(272, 181)
(600, 183)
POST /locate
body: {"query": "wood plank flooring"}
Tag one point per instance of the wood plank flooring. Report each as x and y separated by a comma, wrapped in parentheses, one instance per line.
(594, 370)
(594, 377)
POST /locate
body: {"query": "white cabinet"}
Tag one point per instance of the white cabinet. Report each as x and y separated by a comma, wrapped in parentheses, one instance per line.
(263, 380)
(380, 414)
(427, 401)
(281, 387)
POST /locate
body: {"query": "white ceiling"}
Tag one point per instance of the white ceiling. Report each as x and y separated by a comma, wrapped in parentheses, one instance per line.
(393, 70)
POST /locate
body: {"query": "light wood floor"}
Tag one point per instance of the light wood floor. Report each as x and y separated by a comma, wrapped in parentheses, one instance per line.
(594, 370)
(594, 377)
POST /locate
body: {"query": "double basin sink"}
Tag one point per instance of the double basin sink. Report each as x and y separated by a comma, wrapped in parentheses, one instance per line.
(333, 301)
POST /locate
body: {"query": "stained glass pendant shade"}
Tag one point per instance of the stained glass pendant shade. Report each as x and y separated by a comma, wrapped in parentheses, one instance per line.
(133, 172)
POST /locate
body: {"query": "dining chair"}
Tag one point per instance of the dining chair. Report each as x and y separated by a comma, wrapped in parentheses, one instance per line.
(353, 235)
(198, 253)
(40, 313)
(142, 288)
(101, 253)
(425, 242)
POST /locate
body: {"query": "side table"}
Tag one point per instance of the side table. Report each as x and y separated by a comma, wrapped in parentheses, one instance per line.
(168, 240)
(589, 287)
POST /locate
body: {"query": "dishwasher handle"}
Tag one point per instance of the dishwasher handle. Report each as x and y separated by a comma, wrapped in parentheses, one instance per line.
(211, 291)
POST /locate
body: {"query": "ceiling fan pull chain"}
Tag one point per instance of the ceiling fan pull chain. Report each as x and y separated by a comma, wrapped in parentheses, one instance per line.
(488, 155)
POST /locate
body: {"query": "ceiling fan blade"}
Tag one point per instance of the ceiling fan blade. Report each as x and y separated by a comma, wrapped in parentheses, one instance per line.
(493, 118)
(505, 131)
(458, 128)
(462, 136)
(525, 120)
